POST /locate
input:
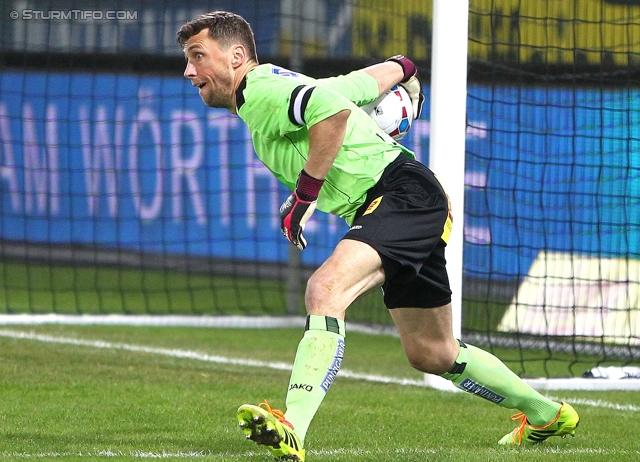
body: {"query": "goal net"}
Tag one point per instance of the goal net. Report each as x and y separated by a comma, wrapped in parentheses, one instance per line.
(552, 230)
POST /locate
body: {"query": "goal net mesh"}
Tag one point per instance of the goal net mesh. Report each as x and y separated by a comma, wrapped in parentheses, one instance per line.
(552, 225)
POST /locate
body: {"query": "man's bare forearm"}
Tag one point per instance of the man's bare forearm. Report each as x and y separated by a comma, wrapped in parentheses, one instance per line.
(325, 141)
(387, 74)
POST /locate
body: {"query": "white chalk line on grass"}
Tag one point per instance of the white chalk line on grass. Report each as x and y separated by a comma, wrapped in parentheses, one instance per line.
(194, 355)
(198, 356)
(599, 403)
(321, 452)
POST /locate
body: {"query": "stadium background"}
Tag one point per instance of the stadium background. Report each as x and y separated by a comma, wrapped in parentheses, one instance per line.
(120, 192)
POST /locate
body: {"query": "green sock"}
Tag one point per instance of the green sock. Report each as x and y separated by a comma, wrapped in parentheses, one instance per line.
(318, 360)
(479, 372)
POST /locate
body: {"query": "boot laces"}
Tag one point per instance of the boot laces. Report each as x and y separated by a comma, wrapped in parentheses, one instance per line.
(278, 414)
(519, 431)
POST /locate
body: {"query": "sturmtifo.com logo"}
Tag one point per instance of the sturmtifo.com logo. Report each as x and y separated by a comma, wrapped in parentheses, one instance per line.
(75, 15)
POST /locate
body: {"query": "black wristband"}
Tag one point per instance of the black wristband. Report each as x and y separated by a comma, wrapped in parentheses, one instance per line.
(308, 187)
(407, 65)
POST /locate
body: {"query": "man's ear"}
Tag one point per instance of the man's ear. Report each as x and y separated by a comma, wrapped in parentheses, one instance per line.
(239, 55)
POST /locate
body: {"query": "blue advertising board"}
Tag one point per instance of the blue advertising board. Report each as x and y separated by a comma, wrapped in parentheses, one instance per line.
(139, 163)
(136, 163)
(558, 169)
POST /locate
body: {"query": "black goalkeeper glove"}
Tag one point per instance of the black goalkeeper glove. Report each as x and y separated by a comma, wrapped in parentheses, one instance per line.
(298, 208)
(411, 83)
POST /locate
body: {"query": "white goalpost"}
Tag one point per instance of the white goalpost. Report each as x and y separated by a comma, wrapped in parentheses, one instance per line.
(447, 136)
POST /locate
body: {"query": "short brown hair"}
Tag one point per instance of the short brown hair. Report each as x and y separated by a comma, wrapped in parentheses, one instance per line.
(224, 27)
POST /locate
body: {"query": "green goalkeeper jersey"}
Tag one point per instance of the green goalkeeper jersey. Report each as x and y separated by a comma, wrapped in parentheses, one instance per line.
(279, 106)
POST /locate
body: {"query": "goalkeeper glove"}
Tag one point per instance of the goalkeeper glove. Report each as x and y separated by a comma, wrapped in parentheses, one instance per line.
(411, 83)
(298, 208)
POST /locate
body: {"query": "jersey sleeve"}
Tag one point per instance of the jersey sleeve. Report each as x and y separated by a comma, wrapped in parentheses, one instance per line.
(357, 86)
(324, 103)
(275, 106)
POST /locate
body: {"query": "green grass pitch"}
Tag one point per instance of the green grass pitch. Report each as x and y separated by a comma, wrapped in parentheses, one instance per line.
(64, 401)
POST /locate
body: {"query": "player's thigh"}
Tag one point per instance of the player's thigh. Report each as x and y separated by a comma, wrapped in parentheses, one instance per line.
(351, 270)
(427, 337)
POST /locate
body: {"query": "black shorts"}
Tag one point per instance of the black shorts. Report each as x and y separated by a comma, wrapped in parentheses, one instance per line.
(406, 218)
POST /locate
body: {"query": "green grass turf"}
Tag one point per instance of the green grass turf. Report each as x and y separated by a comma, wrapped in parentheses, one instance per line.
(68, 402)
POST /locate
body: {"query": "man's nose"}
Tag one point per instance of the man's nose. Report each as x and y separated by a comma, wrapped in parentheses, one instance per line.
(190, 71)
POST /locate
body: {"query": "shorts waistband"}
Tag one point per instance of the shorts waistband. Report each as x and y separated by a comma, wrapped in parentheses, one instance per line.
(397, 162)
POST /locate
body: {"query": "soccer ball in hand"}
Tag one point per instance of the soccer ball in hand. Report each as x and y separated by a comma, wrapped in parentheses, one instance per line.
(392, 112)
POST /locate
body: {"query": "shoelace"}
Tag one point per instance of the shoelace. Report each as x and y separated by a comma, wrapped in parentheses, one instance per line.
(519, 431)
(278, 414)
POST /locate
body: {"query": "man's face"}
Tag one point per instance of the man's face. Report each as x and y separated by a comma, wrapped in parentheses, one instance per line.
(210, 69)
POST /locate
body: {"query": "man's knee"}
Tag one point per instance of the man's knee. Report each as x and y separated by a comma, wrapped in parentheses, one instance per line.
(319, 294)
(433, 357)
(313, 294)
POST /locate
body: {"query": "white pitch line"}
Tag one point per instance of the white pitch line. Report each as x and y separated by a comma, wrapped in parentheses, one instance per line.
(600, 403)
(187, 354)
(197, 356)
(321, 452)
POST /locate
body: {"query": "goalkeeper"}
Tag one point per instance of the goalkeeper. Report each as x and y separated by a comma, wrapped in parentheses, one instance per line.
(312, 136)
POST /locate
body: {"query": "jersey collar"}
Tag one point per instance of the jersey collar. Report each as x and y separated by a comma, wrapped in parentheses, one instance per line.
(240, 94)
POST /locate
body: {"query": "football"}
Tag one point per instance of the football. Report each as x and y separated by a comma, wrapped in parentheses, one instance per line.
(392, 112)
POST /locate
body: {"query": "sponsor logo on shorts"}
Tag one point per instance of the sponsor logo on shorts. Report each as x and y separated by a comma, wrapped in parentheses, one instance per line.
(477, 389)
(354, 227)
(334, 368)
(372, 206)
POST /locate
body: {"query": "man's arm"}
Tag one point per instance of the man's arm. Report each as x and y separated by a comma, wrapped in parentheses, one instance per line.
(361, 90)
(387, 75)
(325, 141)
